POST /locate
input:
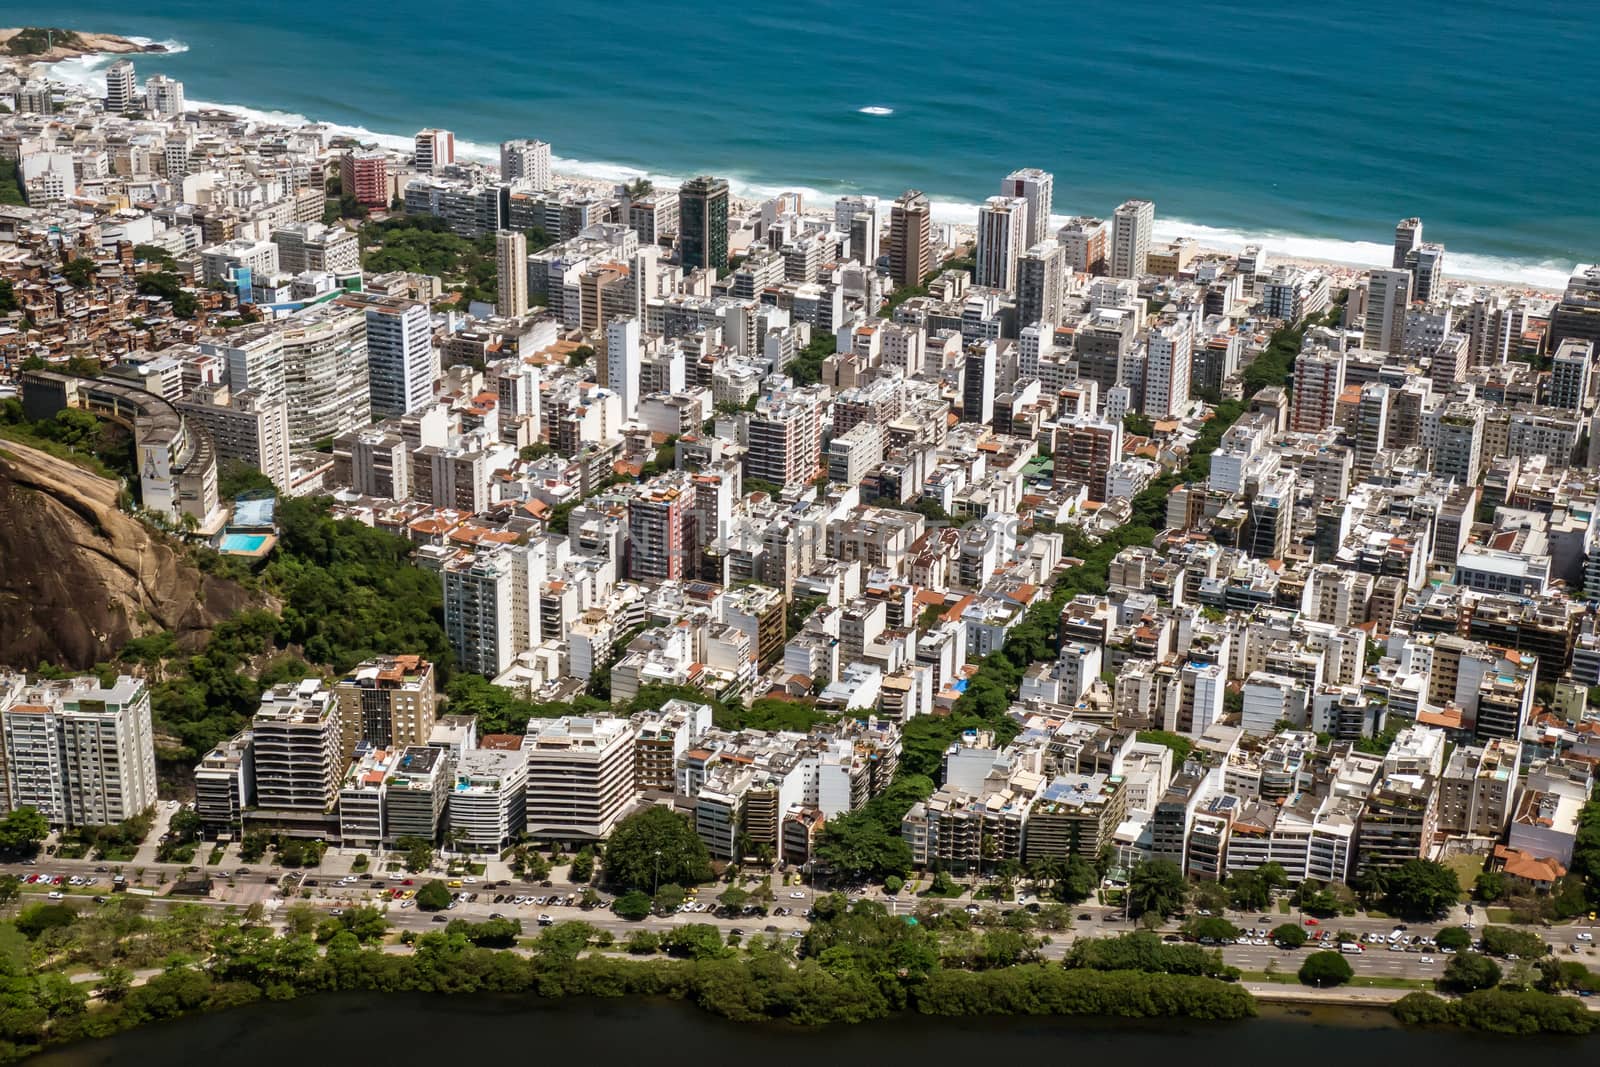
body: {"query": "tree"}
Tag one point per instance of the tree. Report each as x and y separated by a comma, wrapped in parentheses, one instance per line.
(1489, 886)
(1505, 941)
(633, 906)
(22, 830)
(1211, 928)
(1454, 938)
(1289, 935)
(893, 884)
(668, 898)
(1324, 969)
(1155, 886)
(433, 897)
(1468, 971)
(1421, 888)
(418, 850)
(582, 865)
(10, 890)
(185, 825)
(300, 919)
(653, 848)
(114, 984)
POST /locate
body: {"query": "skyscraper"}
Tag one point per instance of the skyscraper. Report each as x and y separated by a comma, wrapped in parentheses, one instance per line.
(1037, 187)
(1131, 226)
(163, 95)
(435, 150)
(910, 239)
(623, 359)
(1041, 280)
(1169, 360)
(703, 224)
(977, 384)
(1318, 382)
(1426, 265)
(1570, 370)
(389, 701)
(399, 350)
(1388, 296)
(526, 162)
(122, 87)
(1407, 239)
(511, 274)
(1002, 225)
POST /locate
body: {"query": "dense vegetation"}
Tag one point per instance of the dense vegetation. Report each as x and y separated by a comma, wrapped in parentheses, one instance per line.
(1500, 1011)
(857, 962)
(425, 244)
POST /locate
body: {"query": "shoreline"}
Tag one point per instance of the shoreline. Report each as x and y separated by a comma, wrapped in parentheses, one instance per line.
(88, 44)
(1356, 258)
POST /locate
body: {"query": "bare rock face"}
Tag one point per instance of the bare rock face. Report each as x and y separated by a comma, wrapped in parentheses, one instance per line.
(78, 578)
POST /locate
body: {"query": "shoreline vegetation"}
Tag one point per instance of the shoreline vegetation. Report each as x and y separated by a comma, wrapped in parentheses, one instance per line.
(857, 963)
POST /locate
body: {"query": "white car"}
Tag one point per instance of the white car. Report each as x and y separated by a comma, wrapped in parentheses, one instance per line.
(407, 903)
(797, 895)
(55, 894)
(1427, 959)
(1585, 936)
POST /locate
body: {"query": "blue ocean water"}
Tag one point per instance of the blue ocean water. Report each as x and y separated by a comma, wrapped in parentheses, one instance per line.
(1317, 125)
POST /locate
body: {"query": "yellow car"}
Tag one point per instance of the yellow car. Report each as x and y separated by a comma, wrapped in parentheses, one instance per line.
(456, 884)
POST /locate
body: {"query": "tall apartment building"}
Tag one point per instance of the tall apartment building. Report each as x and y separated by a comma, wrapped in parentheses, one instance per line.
(1571, 370)
(511, 274)
(1041, 282)
(365, 176)
(245, 427)
(910, 239)
(435, 150)
(1407, 239)
(784, 440)
(1388, 297)
(479, 612)
(1037, 187)
(1318, 384)
(80, 753)
(580, 776)
(1479, 787)
(296, 745)
(388, 702)
(1131, 227)
(164, 96)
(1577, 314)
(703, 224)
(662, 538)
(225, 784)
(525, 162)
(1083, 240)
(624, 357)
(1086, 450)
(487, 805)
(325, 371)
(1002, 230)
(400, 358)
(1169, 359)
(306, 246)
(122, 88)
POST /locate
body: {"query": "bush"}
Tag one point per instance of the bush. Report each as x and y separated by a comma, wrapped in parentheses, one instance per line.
(1455, 938)
(1504, 941)
(893, 884)
(1324, 969)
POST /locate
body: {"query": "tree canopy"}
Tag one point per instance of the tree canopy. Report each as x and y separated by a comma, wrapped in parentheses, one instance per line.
(655, 847)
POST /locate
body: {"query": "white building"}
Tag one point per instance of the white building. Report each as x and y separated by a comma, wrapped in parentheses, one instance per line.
(580, 776)
(1131, 227)
(488, 802)
(79, 753)
(435, 150)
(297, 746)
(1002, 238)
(527, 163)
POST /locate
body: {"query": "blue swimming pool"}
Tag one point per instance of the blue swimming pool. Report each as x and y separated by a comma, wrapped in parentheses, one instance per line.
(243, 542)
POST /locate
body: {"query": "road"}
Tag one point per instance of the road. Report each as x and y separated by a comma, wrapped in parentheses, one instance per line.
(260, 885)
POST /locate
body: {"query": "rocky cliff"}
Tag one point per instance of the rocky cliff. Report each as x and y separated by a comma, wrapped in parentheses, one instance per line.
(78, 578)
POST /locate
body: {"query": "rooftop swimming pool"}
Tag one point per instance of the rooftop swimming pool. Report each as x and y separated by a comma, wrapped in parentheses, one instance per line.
(242, 542)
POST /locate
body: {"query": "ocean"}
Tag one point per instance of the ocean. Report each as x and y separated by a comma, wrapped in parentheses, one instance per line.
(1306, 128)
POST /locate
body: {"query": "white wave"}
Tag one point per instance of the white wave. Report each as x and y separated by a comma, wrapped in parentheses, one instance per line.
(1544, 274)
(876, 110)
(169, 47)
(88, 72)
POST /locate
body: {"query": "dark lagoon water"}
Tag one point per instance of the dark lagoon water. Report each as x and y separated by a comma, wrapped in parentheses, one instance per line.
(371, 1030)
